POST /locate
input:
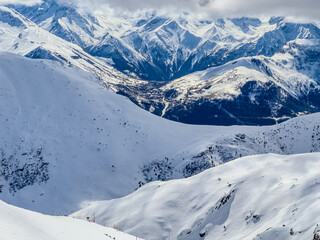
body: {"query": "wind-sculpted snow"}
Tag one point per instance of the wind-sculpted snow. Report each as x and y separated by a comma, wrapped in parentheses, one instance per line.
(260, 197)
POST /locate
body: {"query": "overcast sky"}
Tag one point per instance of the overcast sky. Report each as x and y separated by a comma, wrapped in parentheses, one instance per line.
(26, 2)
(299, 8)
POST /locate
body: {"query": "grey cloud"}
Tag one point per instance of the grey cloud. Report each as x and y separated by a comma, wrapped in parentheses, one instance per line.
(204, 3)
(218, 8)
(301, 8)
(305, 8)
(140, 4)
(25, 2)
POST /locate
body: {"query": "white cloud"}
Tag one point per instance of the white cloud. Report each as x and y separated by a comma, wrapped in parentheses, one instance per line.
(305, 8)
(218, 8)
(299, 8)
(25, 2)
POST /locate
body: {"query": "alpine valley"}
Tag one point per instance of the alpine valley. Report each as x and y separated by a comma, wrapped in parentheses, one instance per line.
(239, 160)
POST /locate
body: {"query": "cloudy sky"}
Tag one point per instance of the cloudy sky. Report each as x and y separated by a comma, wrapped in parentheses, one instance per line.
(26, 2)
(298, 8)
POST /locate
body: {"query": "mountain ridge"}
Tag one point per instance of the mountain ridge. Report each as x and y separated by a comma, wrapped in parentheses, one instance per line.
(61, 124)
(259, 197)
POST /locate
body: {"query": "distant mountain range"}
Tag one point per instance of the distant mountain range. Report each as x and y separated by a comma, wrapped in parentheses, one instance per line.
(227, 71)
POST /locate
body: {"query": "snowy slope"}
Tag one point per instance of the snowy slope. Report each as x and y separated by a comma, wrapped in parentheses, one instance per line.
(260, 197)
(20, 224)
(66, 139)
(58, 120)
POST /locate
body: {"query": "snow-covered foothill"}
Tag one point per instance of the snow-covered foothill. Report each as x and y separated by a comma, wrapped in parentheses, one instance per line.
(20, 224)
(66, 139)
(259, 197)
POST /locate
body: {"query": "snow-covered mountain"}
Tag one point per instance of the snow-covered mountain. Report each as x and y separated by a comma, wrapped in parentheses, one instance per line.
(280, 57)
(19, 35)
(67, 139)
(156, 47)
(254, 198)
(251, 90)
(256, 90)
(61, 126)
(20, 224)
(62, 20)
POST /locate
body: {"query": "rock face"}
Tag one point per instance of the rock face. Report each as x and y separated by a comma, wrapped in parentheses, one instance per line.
(20, 170)
(316, 233)
(286, 138)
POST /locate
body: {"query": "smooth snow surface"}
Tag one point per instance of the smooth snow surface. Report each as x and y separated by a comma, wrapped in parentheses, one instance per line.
(20, 224)
(92, 143)
(265, 197)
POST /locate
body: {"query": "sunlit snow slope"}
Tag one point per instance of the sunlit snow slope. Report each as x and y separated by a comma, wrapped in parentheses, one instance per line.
(66, 139)
(254, 198)
(20, 224)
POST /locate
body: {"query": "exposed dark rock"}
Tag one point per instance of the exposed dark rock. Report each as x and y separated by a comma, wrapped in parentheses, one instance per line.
(21, 170)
